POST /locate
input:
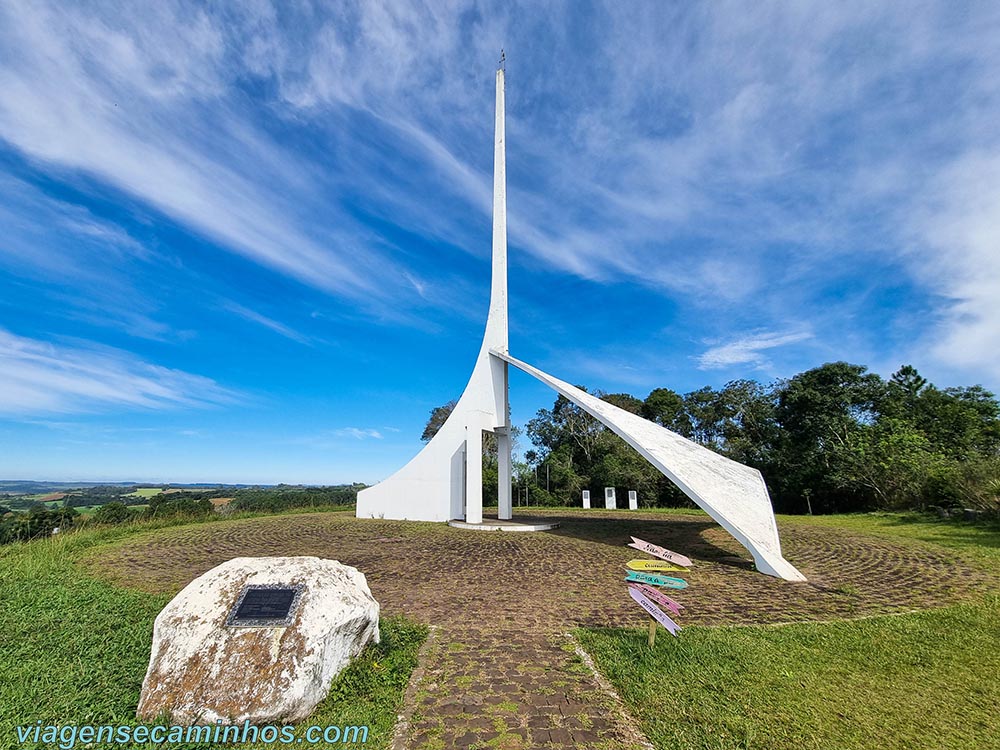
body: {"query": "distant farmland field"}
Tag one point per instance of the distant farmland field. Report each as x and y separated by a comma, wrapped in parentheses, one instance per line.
(148, 491)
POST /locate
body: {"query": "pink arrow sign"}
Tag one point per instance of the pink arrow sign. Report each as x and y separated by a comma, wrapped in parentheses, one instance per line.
(660, 598)
(655, 611)
(660, 552)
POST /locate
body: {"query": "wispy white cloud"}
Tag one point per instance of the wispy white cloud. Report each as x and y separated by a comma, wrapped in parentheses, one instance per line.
(144, 102)
(334, 440)
(37, 377)
(710, 154)
(359, 433)
(748, 350)
(255, 317)
(959, 225)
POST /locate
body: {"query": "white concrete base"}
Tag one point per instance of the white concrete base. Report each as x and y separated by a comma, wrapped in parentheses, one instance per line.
(492, 524)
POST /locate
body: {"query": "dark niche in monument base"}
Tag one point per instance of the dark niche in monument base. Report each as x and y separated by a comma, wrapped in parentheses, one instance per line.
(265, 606)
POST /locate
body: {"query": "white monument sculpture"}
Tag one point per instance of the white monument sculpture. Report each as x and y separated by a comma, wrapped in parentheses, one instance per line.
(586, 498)
(633, 500)
(444, 480)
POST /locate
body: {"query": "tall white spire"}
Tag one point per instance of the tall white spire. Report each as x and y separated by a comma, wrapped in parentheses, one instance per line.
(496, 325)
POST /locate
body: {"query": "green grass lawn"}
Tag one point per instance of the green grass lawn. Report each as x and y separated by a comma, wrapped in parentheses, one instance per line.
(74, 650)
(925, 680)
(979, 542)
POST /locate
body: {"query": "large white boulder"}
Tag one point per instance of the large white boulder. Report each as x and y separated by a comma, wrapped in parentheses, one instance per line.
(203, 670)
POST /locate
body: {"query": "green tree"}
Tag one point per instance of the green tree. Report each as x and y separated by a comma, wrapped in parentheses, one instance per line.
(749, 428)
(566, 424)
(112, 513)
(665, 407)
(705, 416)
(624, 401)
(817, 412)
(963, 422)
(439, 415)
(891, 461)
(177, 504)
(908, 382)
(978, 485)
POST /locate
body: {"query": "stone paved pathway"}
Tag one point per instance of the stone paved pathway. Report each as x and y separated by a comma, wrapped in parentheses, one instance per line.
(512, 689)
(502, 671)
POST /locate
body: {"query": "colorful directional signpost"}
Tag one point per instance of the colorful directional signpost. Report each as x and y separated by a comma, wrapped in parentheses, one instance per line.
(644, 585)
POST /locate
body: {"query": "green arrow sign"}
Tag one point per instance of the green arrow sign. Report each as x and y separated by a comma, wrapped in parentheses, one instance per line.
(655, 580)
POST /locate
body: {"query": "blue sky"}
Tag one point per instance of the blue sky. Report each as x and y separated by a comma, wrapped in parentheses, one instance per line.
(250, 242)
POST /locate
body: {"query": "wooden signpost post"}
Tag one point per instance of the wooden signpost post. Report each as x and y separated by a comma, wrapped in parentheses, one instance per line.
(655, 580)
(660, 552)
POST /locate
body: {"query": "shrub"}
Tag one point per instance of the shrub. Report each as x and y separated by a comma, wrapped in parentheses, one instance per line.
(282, 498)
(184, 506)
(112, 513)
(538, 496)
(979, 485)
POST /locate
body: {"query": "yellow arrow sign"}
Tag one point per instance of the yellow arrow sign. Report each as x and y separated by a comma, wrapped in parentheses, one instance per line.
(652, 565)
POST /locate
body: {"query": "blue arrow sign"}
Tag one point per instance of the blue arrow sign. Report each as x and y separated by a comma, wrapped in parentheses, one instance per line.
(655, 580)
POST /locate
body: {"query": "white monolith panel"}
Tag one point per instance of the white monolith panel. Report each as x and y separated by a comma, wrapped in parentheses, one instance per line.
(609, 498)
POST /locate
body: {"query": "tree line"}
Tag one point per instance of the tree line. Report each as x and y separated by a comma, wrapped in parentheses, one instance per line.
(115, 507)
(836, 438)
